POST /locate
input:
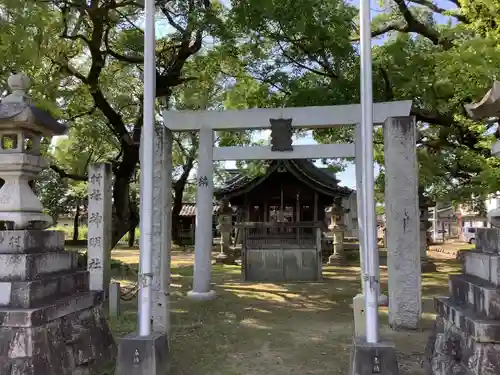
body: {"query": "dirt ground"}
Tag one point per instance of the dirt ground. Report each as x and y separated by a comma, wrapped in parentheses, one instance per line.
(302, 328)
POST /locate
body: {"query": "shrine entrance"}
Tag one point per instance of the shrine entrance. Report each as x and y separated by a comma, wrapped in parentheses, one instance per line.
(287, 215)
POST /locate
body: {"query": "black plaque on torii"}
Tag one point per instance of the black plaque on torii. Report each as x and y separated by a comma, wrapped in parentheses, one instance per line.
(281, 134)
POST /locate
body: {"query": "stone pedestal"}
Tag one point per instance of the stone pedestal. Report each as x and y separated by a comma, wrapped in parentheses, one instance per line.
(52, 324)
(466, 335)
(338, 256)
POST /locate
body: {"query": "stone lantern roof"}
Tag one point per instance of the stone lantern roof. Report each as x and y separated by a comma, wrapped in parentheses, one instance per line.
(16, 110)
(22, 125)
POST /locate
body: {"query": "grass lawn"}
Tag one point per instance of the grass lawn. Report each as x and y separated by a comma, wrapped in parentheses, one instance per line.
(255, 329)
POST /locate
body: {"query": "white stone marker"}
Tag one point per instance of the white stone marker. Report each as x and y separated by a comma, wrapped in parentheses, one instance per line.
(204, 212)
(358, 306)
(114, 299)
(403, 222)
(99, 226)
(162, 219)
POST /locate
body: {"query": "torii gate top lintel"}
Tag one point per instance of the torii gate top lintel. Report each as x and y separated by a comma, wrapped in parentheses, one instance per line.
(303, 117)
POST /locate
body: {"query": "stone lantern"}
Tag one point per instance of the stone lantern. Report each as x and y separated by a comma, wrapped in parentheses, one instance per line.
(489, 108)
(427, 265)
(225, 226)
(22, 125)
(337, 229)
(52, 323)
(465, 338)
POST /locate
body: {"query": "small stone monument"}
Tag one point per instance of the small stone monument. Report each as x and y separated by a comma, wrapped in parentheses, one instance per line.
(225, 219)
(50, 323)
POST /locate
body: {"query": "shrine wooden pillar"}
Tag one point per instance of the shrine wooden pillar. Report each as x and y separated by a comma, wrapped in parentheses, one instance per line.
(316, 208)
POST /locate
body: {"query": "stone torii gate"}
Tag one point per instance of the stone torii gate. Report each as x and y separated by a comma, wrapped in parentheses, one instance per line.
(402, 211)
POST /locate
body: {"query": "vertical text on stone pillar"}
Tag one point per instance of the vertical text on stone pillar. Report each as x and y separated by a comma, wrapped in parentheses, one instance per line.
(99, 226)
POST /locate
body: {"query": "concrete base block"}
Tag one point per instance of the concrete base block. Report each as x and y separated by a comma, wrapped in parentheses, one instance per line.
(143, 355)
(358, 306)
(201, 296)
(368, 359)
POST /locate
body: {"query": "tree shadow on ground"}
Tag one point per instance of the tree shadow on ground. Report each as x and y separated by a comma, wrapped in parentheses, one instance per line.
(278, 328)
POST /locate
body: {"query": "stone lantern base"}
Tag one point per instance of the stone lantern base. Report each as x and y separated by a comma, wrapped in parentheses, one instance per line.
(50, 323)
(466, 335)
(225, 258)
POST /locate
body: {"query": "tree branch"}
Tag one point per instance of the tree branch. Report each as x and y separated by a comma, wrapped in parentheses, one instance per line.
(64, 174)
(437, 9)
(418, 27)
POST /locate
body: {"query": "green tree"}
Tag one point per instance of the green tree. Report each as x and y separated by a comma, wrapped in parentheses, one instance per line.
(307, 54)
(85, 59)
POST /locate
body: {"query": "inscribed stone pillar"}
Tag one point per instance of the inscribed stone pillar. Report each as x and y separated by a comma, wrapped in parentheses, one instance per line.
(403, 222)
(162, 221)
(204, 213)
(225, 227)
(99, 226)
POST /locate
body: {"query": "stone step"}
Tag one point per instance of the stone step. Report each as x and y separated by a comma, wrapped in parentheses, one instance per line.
(488, 240)
(481, 296)
(41, 315)
(35, 293)
(467, 320)
(482, 265)
(22, 267)
(31, 241)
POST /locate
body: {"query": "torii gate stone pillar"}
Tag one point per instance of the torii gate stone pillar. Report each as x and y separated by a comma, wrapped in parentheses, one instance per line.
(204, 219)
(403, 222)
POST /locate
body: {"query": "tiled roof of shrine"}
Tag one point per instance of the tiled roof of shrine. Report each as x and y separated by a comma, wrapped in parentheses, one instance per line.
(317, 178)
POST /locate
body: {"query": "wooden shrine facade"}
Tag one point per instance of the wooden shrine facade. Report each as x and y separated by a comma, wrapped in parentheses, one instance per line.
(280, 219)
(289, 191)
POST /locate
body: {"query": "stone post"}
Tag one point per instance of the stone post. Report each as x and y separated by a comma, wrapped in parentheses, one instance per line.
(225, 227)
(162, 223)
(51, 323)
(403, 222)
(114, 300)
(204, 213)
(99, 226)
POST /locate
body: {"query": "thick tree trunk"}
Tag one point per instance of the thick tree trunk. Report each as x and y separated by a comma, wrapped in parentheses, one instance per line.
(131, 237)
(124, 216)
(76, 221)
